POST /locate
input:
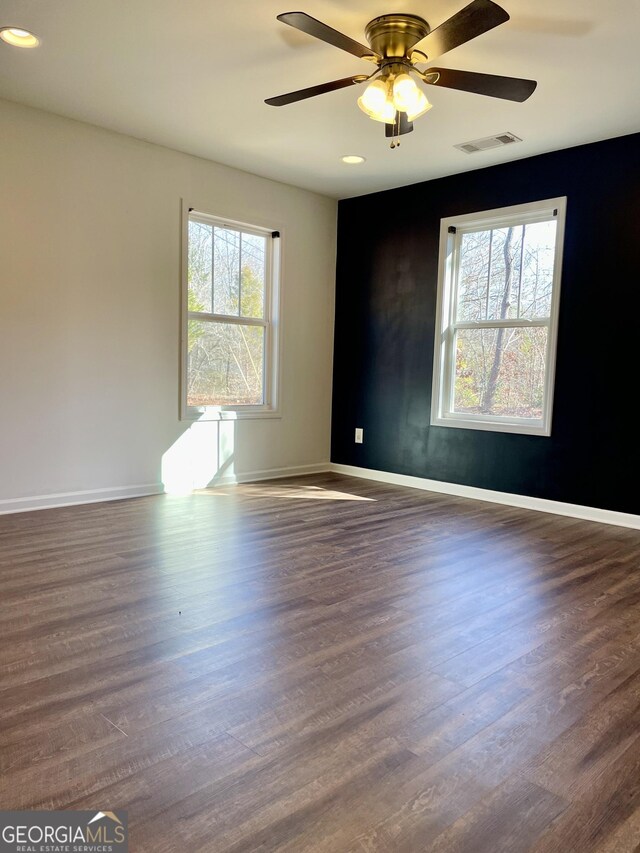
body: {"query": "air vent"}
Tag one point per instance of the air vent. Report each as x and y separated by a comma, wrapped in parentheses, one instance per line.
(487, 143)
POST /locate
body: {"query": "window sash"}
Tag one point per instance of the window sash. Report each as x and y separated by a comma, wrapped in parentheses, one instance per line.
(212, 222)
(501, 324)
(497, 224)
(226, 318)
(263, 376)
(448, 409)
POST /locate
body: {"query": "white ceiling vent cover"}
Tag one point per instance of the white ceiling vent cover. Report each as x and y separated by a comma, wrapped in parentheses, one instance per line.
(488, 142)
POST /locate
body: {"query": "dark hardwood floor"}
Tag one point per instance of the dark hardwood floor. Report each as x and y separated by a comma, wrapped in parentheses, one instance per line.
(324, 664)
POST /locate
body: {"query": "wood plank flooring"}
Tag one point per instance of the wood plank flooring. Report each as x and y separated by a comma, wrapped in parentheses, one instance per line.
(324, 664)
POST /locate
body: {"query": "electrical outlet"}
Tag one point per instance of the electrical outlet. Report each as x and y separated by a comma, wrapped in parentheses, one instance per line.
(359, 435)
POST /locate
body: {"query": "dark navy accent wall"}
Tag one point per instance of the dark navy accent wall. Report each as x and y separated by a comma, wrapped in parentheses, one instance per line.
(387, 273)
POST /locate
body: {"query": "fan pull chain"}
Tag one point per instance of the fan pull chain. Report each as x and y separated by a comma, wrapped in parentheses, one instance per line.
(395, 141)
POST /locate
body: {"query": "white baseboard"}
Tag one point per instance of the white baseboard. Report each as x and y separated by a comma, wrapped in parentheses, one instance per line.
(272, 474)
(588, 513)
(29, 504)
(88, 496)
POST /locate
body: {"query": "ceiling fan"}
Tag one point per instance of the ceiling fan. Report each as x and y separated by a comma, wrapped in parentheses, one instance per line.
(398, 43)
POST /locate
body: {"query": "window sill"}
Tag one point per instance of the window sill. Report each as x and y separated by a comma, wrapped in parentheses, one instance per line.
(523, 428)
(198, 416)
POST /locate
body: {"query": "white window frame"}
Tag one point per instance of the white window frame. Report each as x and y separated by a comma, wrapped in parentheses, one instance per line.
(451, 230)
(270, 408)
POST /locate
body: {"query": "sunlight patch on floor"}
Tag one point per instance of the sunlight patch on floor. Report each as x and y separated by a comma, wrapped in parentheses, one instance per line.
(257, 490)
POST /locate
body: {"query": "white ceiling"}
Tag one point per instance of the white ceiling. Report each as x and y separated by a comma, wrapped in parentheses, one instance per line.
(193, 74)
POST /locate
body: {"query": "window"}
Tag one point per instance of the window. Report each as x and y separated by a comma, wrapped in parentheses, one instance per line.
(497, 316)
(229, 319)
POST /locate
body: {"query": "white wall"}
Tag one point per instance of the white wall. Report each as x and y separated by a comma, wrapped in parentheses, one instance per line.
(89, 312)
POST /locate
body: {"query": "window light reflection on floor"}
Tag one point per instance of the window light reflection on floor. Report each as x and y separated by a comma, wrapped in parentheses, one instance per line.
(272, 490)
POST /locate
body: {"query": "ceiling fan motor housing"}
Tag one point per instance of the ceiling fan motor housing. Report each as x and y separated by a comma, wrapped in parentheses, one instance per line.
(395, 35)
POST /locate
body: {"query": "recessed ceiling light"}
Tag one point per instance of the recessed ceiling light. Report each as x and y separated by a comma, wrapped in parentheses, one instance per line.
(19, 37)
(353, 159)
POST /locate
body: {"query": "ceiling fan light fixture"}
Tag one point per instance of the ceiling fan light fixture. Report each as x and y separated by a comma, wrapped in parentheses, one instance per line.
(374, 97)
(405, 93)
(421, 107)
(386, 113)
(377, 101)
(17, 37)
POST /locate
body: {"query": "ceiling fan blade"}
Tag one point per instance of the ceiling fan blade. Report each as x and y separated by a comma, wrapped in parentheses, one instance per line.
(312, 91)
(477, 18)
(313, 27)
(508, 88)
